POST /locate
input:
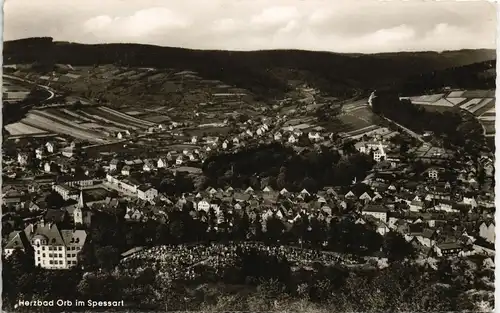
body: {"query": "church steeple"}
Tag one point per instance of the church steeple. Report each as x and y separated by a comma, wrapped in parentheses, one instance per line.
(80, 200)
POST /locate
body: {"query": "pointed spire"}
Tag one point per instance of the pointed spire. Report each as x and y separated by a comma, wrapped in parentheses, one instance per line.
(80, 200)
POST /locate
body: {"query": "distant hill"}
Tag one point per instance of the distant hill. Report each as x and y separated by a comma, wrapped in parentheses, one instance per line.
(480, 75)
(265, 73)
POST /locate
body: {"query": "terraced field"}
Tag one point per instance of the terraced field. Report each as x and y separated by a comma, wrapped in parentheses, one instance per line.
(19, 128)
(480, 103)
(91, 124)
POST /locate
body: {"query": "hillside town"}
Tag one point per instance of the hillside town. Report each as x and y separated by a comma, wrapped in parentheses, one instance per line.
(53, 191)
(145, 178)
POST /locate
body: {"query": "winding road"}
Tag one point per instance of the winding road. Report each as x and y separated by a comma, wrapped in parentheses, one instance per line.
(48, 89)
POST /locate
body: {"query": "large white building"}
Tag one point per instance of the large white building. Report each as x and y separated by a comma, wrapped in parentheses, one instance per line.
(52, 248)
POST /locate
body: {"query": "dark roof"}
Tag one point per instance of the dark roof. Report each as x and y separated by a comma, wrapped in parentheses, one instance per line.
(449, 245)
(55, 215)
(375, 208)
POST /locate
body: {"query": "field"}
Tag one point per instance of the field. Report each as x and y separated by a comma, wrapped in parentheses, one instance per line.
(91, 124)
(427, 99)
(354, 120)
(19, 128)
(489, 128)
(480, 103)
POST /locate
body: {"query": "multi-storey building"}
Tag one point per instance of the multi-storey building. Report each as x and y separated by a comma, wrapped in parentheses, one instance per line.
(52, 248)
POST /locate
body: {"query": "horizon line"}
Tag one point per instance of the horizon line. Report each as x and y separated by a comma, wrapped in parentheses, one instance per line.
(256, 50)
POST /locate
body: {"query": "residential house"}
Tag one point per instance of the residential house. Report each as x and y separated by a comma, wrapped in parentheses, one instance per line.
(203, 205)
(147, 193)
(379, 153)
(49, 167)
(314, 136)
(148, 166)
(22, 158)
(39, 153)
(162, 163)
(378, 211)
(292, 139)
(487, 231)
(18, 240)
(447, 249)
(434, 172)
(416, 206)
(134, 215)
(50, 147)
(69, 151)
(113, 165)
(304, 192)
(180, 160)
(277, 136)
(470, 200)
(126, 170)
(66, 192)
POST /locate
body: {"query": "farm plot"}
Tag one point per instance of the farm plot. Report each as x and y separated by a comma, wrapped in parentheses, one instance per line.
(352, 121)
(126, 118)
(22, 129)
(488, 118)
(470, 103)
(479, 94)
(98, 116)
(427, 98)
(478, 109)
(363, 130)
(456, 94)
(489, 127)
(456, 101)
(489, 105)
(155, 118)
(65, 116)
(42, 120)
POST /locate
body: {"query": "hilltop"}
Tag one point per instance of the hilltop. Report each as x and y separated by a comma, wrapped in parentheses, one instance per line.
(480, 75)
(264, 73)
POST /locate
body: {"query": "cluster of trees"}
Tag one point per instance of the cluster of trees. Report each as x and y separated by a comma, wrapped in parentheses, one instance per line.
(457, 129)
(259, 281)
(474, 76)
(110, 235)
(281, 167)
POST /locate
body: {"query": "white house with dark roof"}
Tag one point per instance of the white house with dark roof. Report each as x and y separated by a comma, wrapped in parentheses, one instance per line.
(378, 211)
(147, 193)
(161, 163)
(54, 248)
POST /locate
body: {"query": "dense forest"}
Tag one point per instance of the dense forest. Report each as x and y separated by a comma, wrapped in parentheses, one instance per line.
(281, 167)
(265, 73)
(474, 76)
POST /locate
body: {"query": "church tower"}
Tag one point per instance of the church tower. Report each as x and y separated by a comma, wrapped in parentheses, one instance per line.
(78, 213)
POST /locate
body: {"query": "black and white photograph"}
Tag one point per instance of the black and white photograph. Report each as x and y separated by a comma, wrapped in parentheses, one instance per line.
(248, 156)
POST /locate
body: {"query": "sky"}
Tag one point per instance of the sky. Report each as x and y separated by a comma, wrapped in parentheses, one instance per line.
(364, 26)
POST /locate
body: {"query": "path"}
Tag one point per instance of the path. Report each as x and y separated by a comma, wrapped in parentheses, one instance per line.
(408, 131)
(49, 90)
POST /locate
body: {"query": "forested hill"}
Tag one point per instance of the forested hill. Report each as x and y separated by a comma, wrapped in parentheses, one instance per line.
(263, 72)
(473, 76)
